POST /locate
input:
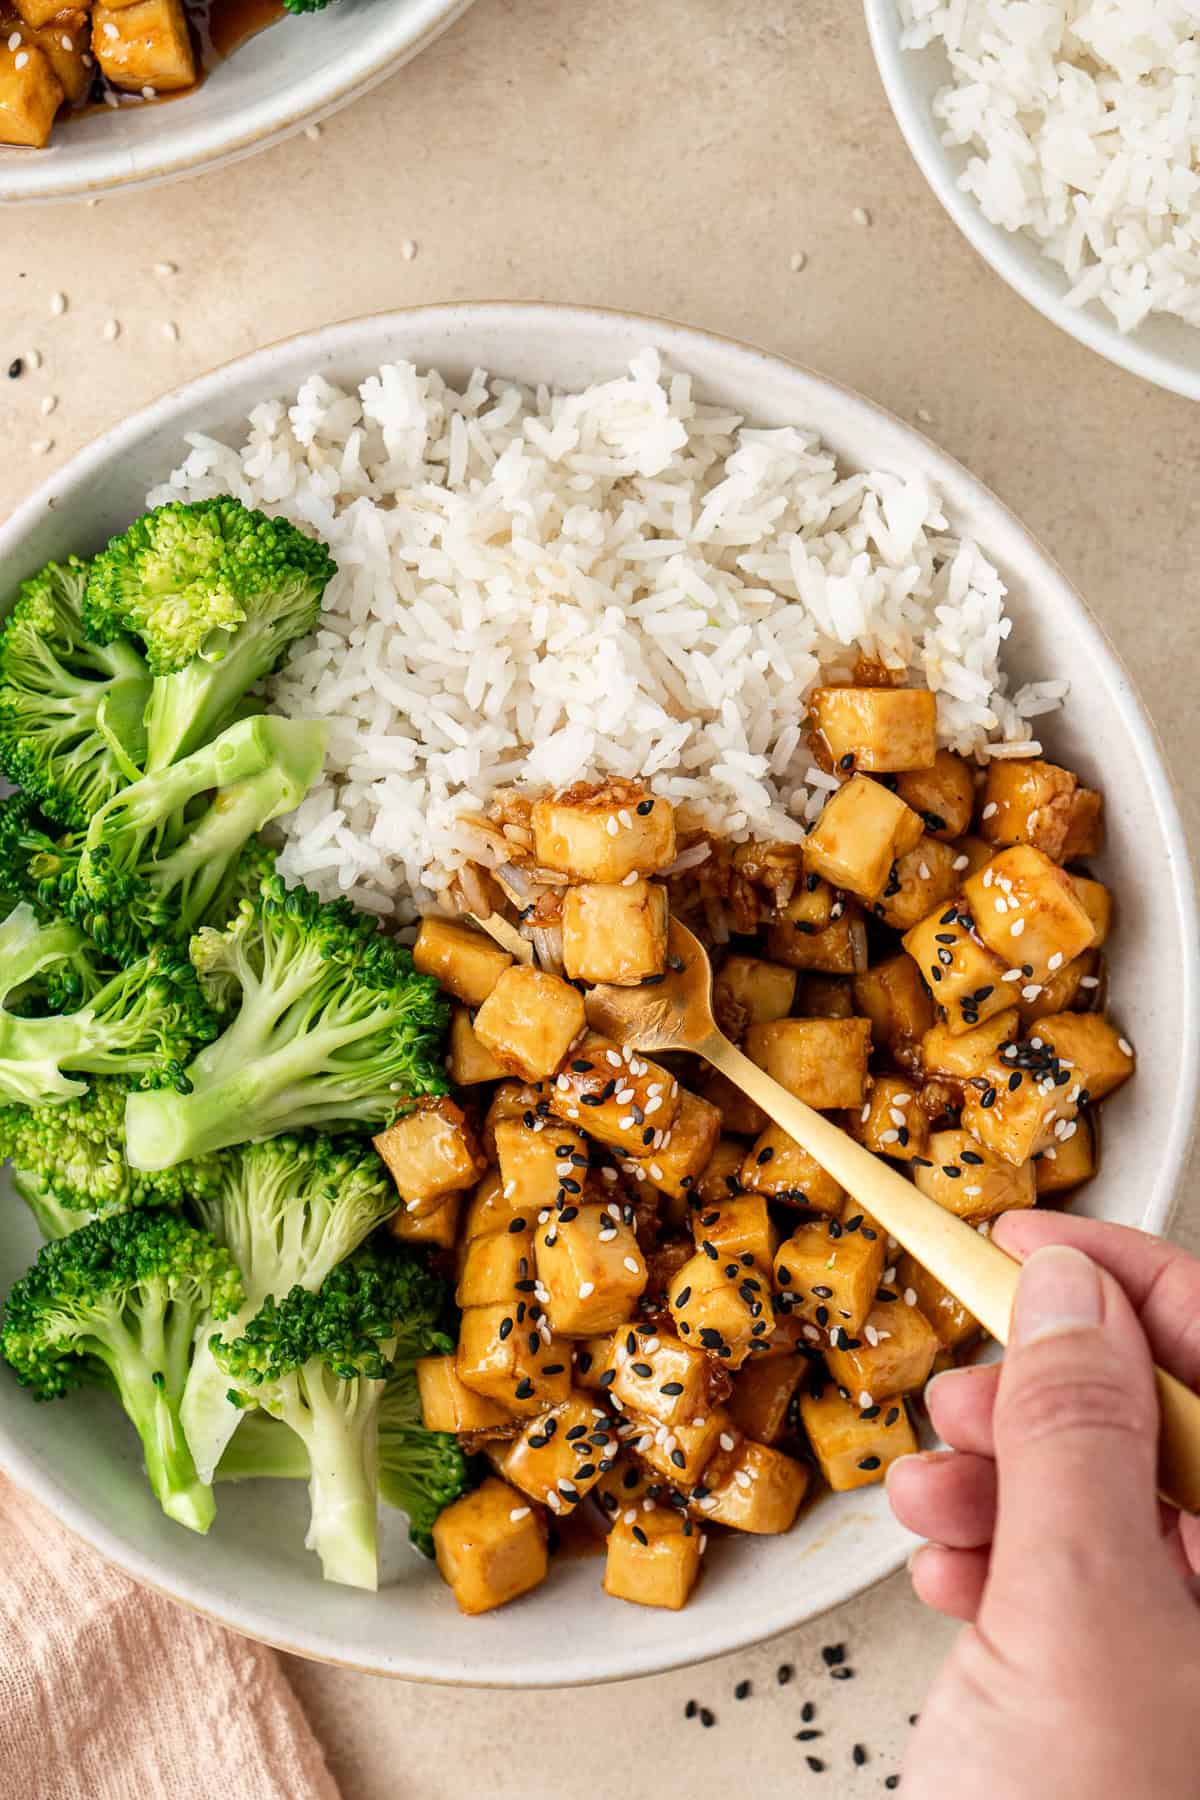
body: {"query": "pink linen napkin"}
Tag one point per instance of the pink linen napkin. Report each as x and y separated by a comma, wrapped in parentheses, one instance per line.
(108, 1692)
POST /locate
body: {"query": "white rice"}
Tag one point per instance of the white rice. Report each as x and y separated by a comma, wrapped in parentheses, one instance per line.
(1084, 120)
(543, 587)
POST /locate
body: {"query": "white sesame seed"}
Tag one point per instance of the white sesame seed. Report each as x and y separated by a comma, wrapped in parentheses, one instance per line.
(49, 402)
(1031, 991)
(67, 42)
(656, 1173)
(34, 358)
(170, 331)
(149, 93)
(1016, 928)
(1055, 961)
(895, 1114)
(742, 1477)
(625, 819)
(630, 879)
(312, 133)
(910, 1296)
(960, 863)
(408, 249)
(1013, 975)
(166, 268)
(586, 1288)
(972, 1191)
(889, 1275)
(520, 1512)
(990, 810)
(627, 1123)
(1089, 981)
(631, 1263)
(58, 304)
(613, 1057)
(889, 1137)
(20, 59)
(923, 871)
(866, 1112)
(871, 1335)
(15, 41)
(112, 330)
(42, 446)
(861, 216)
(726, 1441)
(797, 261)
(1124, 1046)
(865, 1400)
(611, 826)
(624, 1096)
(110, 31)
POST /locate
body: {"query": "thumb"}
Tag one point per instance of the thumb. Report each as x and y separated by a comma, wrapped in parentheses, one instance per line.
(1076, 1432)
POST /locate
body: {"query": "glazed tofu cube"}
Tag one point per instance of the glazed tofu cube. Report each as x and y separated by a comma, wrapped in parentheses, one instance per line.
(964, 976)
(811, 906)
(721, 1176)
(491, 1209)
(821, 1061)
(528, 1100)
(1067, 1163)
(497, 1357)
(1022, 1102)
(593, 1361)
(719, 1312)
(540, 1162)
(1028, 802)
(530, 1020)
(439, 1227)
(592, 1269)
(37, 12)
(490, 1547)
(492, 1267)
(561, 1455)
(681, 1452)
(622, 1099)
(686, 1148)
(830, 1281)
(973, 853)
(465, 962)
(654, 1559)
(469, 1062)
(430, 1152)
(921, 879)
(1085, 828)
(962, 1055)
(1092, 1048)
(826, 997)
(970, 1180)
(739, 1228)
(895, 999)
(750, 991)
(854, 1445)
(65, 42)
(1096, 901)
(951, 1321)
(862, 830)
(1060, 991)
(753, 1488)
(615, 933)
(943, 794)
(624, 1486)
(881, 730)
(789, 1174)
(890, 1121)
(897, 1361)
(839, 948)
(151, 47)
(660, 1377)
(446, 1405)
(762, 1394)
(604, 833)
(30, 96)
(1025, 908)
(739, 1115)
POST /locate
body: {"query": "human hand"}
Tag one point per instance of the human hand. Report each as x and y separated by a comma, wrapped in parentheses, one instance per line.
(1078, 1677)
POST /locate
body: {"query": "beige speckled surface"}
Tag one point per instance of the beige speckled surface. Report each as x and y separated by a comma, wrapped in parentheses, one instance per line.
(669, 156)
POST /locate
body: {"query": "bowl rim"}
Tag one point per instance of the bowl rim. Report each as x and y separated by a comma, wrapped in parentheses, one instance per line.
(1037, 280)
(354, 339)
(35, 178)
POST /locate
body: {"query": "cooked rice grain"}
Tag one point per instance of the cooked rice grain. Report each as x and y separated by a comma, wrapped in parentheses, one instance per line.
(541, 587)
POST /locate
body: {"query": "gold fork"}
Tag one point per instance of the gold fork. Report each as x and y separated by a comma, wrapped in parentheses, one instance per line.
(676, 1014)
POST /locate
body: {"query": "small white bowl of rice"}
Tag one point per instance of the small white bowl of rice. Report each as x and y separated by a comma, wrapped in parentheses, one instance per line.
(1064, 141)
(628, 546)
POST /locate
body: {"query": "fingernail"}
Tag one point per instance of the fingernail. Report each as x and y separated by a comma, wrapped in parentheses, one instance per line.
(950, 1375)
(1059, 1291)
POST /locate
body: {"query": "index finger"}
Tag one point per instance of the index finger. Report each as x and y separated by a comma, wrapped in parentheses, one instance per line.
(1161, 1280)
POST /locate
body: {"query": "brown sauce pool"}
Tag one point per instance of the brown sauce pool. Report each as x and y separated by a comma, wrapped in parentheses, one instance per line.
(218, 28)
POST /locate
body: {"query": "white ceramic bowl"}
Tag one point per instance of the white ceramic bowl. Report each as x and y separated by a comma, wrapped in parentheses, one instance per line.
(296, 71)
(1163, 350)
(79, 1457)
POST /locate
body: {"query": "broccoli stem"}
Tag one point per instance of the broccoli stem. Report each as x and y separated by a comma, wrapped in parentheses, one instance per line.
(264, 1448)
(149, 1370)
(340, 1434)
(208, 1415)
(191, 707)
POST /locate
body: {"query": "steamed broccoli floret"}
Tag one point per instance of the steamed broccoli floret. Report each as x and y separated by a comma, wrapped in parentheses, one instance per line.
(288, 1210)
(53, 1219)
(420, 1471)
(319, 1362)
(331, 1027)
(164, 856)
(39, 861)
(143, 1022)
(76, 1152)
(119, 1302)
(71, 711)
(305, 6)
(216, 593)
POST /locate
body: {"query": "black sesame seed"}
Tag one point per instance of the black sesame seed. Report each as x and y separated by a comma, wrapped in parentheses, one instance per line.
(711, 1251)
(764, 1156)
(808, 1712)
(506, 1326)
(988, 1098)
(785, 1276)
(870, 1412)
(935, 972)
(679, 1459)
(643, 1369)
(858, 1755)
(707, 1718)
(784, 1673)
(833, 1654)
(553, 1368)
(835, 1228)
(644, 807)
(815, 1764)
(806, 1737)
(742, 1691)
(583, 1361)
(892, 1783)
(823, 1293)
(842, 1674)
(630, 1343)
(747, 1260)
(515, 1225)
(952, 1170)
(869, 1462)
(847, 761)
(683, 1296)
(921, 1162)
(671, 1388)
(524, 1389)
(690, 1710)
(892, 1414)
(535, 1342)
(591, 1100)
(970, 1156)
(869, 1234)
(822, 1316)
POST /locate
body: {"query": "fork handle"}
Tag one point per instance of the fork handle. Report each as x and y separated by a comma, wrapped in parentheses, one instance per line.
(976, 1271)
